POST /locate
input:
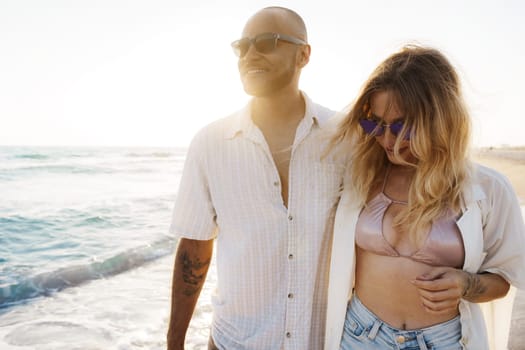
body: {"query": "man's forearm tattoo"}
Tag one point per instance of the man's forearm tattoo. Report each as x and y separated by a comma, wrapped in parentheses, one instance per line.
(192, 273)
(474, 287)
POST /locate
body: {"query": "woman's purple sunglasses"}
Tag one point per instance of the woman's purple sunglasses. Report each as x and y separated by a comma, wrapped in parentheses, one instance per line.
(375, 128)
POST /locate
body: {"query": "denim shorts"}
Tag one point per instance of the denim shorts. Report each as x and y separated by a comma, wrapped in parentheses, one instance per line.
(364, 330)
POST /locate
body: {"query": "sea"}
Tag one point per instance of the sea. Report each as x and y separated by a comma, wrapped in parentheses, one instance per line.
(85, 253)
(86, 256)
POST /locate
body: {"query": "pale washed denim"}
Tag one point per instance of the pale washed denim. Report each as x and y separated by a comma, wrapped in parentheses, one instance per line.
(363, 330)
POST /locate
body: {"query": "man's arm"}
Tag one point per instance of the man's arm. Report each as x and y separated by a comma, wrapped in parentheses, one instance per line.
(192, 261)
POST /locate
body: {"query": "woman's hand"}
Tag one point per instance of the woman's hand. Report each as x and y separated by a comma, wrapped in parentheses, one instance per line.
(442, 288)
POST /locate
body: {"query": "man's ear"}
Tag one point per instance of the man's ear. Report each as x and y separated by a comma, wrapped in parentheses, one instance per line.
(303, 55)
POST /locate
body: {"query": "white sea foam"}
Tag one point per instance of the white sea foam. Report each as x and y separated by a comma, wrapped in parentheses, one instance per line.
(125, 312)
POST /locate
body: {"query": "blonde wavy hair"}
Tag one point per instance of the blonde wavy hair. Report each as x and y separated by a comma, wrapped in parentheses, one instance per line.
(426, 87)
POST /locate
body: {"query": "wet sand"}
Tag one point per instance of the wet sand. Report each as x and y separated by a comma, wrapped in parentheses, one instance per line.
(510, 162)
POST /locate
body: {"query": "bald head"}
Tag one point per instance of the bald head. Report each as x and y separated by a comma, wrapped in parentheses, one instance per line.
(280, 20)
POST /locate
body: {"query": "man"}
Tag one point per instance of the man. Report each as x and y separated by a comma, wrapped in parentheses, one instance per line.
(260, 184)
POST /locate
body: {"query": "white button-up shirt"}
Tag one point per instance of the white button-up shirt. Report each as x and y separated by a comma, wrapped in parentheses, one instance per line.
(272, 261)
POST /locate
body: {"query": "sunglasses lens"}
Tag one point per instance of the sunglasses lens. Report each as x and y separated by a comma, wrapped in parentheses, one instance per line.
(240, 47)
(396, 127)
(265, 45)
(262, 45)
(370, 127)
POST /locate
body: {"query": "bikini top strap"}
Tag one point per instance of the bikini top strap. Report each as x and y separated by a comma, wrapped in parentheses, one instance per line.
(387, 172)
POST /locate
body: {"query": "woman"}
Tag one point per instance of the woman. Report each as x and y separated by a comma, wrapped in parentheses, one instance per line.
(421, 234)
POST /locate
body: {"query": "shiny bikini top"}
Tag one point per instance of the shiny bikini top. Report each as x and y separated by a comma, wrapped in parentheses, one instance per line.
(443, 245)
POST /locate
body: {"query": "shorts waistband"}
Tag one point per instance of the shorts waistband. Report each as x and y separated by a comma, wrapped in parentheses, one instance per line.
(368, 317)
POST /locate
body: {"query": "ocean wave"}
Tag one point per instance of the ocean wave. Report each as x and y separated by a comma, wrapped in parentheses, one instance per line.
(22, 171)
(31, 156)
(47, 283)
(33, 170)
(97, 221)
(151, 155)
(17, 224)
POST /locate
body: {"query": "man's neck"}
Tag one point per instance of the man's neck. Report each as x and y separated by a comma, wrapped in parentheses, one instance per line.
(280, 111)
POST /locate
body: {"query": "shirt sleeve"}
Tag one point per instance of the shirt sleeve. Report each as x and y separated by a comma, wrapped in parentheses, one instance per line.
(193, 213)
(504, 233)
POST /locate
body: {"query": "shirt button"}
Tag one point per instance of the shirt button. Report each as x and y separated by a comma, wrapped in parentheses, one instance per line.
(290, 295)
(288, 335)
(276, 183)
(290, 218)
(290, 256)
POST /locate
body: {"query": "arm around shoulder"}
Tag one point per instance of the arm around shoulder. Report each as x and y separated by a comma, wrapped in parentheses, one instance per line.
(192, 261)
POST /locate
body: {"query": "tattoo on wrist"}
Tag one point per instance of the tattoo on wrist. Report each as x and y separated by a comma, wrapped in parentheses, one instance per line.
(191, 274)
(474, 287)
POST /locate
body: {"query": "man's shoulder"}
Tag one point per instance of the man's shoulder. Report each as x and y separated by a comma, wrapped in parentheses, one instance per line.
(323, 111)
(320, 112)
(218, 129)
(328, 119)
(224, 122)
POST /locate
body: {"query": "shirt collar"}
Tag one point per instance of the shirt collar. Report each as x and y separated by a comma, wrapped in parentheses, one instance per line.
(243, 123)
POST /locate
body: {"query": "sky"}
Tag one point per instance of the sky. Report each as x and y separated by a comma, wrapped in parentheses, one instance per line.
(152, 73)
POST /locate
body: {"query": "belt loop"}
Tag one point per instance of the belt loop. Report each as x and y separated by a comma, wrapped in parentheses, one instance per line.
(375, 328)
(421, 341)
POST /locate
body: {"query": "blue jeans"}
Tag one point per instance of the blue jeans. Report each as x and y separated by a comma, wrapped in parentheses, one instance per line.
(363, 330)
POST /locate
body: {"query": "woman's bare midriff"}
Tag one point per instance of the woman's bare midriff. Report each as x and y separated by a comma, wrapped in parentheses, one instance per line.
(383, 285)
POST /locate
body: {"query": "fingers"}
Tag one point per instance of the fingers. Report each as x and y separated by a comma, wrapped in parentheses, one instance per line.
(433, 274)
(434, 285)
(440, 301)
(441, 294)
(442, 278)
(438, 307)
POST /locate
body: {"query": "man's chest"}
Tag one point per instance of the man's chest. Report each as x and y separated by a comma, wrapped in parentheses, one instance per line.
(247, 179)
